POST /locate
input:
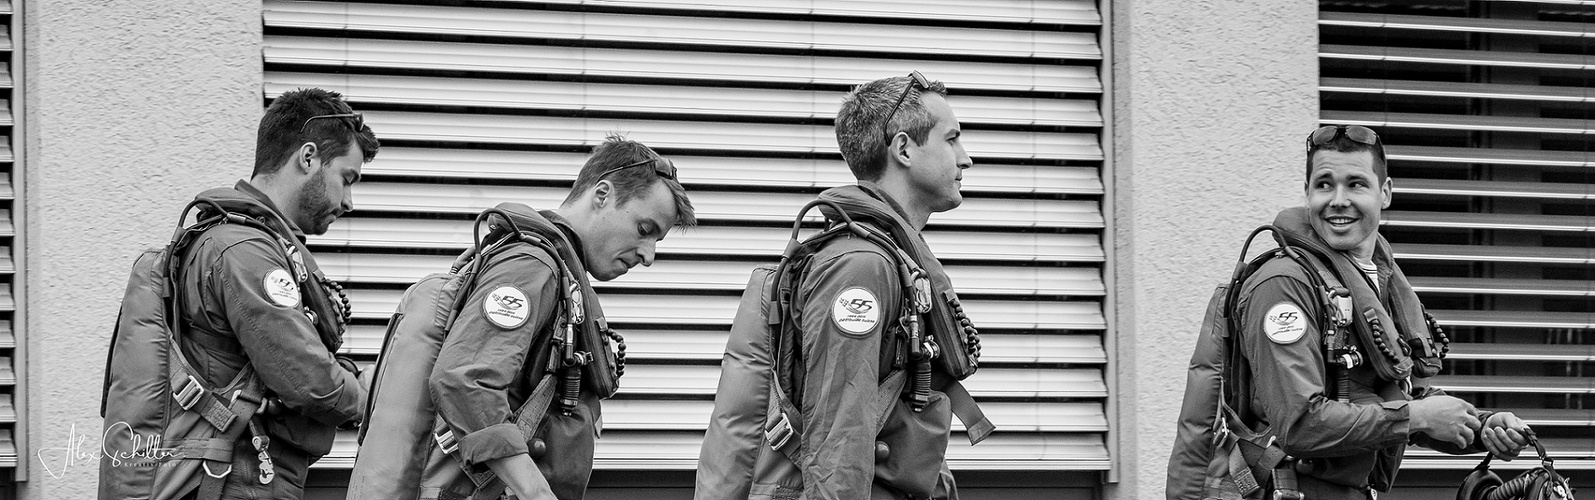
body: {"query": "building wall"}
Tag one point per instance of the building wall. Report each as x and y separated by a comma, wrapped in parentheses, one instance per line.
(1211, 102)
(135, 106)
(132, 108)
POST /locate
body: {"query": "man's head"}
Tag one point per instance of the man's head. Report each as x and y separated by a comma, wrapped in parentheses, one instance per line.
(1347, 188)
(900, 133)
(308, 152)
(625, 199)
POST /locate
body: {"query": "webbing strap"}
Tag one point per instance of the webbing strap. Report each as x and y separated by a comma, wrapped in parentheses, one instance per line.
(210, 484)
(975, 421)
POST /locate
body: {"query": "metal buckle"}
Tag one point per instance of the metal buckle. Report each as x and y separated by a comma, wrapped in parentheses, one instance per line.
(778, 435)
(189, 395)
(446, 442)
(206, 465)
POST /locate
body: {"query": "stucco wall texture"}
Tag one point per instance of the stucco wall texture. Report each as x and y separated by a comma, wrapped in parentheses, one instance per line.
(1211, 102)
(131, 109)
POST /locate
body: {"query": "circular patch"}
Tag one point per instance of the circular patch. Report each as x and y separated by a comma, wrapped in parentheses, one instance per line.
(855, 311)
(1284, 323)
(506, 307)
(281, 288)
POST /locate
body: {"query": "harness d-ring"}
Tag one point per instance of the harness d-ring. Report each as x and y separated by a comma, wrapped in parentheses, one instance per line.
(206, 466)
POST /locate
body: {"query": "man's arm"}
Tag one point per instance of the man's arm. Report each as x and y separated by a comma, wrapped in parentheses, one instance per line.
(851, 302)
(267, 316)
(484, 355)
(1281, 338)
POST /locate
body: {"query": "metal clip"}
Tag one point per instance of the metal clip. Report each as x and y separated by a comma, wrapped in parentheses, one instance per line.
(446, 442)
(777, 435)
(268, 471)
(1341, 298)
(921, 293)
(189, 394)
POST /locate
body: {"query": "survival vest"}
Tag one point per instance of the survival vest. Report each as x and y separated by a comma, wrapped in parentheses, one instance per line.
(416, 452)
(754, 434)
(1216, 455)
(168, 430)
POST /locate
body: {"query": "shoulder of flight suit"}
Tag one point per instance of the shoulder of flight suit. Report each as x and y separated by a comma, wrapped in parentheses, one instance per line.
(849, 299)
(483, 357)
(1279, 319)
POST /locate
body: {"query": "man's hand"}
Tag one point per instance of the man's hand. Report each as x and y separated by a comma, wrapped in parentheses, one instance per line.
(1444, 418)
(1502, 436)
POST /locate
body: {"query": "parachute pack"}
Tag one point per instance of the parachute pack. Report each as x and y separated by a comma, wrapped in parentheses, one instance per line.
(1216, 455)
(160, 413)
(417, 453)
(755, 431)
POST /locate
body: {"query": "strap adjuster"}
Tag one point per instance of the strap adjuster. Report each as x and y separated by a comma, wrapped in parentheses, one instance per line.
(779, 434)
(190, 394)
(446, 442)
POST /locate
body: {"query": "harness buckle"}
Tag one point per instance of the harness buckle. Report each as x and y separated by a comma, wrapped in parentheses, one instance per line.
(778, 435)
(189, 394)
(446, 442)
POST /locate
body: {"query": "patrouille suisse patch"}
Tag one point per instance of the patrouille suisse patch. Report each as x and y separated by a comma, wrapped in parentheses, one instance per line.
(281, 288)
(1284, 323)
(855, 311)
(506, 307)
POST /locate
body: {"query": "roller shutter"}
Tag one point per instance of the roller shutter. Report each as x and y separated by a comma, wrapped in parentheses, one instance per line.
(13, 367)
(1486, 108)
(484, 102)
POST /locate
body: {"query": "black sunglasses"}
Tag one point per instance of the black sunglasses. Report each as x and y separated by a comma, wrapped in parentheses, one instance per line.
(1328, 133)
(916, 80)
(353, 120)
(663, 167)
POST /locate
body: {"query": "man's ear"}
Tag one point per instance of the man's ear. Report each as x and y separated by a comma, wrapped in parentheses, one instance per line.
(1387, 189)
(303, 158)
(603, 194)
(897, 148)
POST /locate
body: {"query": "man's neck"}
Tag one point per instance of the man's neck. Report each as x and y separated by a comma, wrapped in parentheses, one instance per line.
(896, 188)
(281, 196)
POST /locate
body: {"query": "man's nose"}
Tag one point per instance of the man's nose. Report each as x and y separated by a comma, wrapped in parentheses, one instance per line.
(1340, 199)
(964, 161)
(348, 200)
(647, 253)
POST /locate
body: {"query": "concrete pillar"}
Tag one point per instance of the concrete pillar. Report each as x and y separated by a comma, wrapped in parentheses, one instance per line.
(131, 109)
(1211, 103)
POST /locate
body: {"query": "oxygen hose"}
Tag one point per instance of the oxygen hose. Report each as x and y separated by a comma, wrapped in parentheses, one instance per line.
(1516, 488)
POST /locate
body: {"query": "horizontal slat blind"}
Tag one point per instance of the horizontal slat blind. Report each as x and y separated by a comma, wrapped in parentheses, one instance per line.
(479, 105)
(13, 396)
(1486, 108)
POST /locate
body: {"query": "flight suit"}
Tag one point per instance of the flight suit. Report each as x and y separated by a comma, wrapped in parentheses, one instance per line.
(238, 311)
(1344, 449)
(850, 302)
(493, 358)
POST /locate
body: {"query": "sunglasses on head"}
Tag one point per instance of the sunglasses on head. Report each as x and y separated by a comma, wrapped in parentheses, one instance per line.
(1328, 133)
(353, 120)
(915, 80)
(662, 166)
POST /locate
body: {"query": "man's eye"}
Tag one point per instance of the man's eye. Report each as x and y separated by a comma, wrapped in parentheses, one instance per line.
(642, 230)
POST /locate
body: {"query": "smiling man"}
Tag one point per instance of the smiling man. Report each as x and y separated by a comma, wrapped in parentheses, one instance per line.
(529, 327)
(1345, 439)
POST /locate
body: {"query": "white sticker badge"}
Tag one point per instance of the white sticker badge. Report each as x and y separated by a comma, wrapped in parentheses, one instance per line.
(855, 311)
(506, 307)
(1284, 323)
(281, 288)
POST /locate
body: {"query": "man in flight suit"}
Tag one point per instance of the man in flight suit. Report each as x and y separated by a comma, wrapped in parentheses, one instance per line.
(1349, 446)
(624, 200)
(243, 310)
(901, 140)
